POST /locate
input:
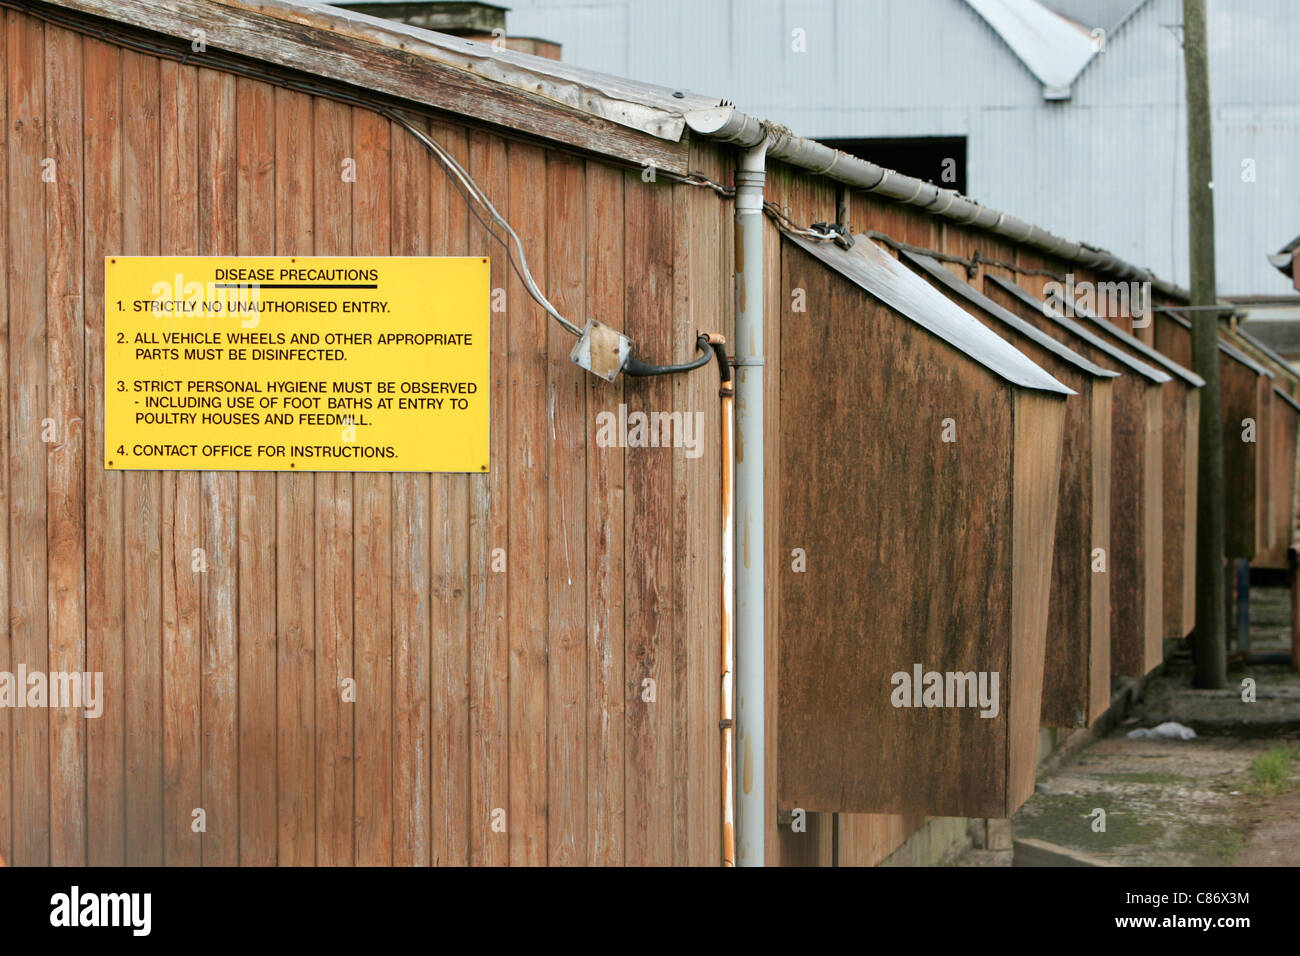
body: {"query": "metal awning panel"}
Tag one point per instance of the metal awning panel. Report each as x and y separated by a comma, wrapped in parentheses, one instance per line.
(974, 296)
(882, 276)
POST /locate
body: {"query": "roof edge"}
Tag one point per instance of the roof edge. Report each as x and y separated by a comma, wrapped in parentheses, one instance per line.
(730, 125)
(586, 110)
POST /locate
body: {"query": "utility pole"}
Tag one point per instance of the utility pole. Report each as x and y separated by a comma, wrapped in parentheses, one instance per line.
(1208, 646)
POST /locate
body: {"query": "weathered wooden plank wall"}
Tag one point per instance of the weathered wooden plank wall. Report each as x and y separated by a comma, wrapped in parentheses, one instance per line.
(534, 648)
(1239, 391)
(1263, 448)
(1135, 560)
(534, 682)
(1285, 419)
(28, 399)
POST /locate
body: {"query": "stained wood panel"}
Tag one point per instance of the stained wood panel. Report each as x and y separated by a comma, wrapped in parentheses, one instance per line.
(1173, 337)
(6, 642)
(605, 549)
(65, 448)
(28, 397)
(374, 543)
(489, 637)
(527, 528)
(218, 177)
(1038, 432)
(105, 736)
(1239, 396)
(256, 553)
(1181, 401)
(1076, 678)
(181, 701)
(1135, 561)
(1284, 420)
(566, 524)
(295, 533)
(887, 559)
(648, 707)
(142, 494)
(412, 201)
(1263, 455)
(460, 565)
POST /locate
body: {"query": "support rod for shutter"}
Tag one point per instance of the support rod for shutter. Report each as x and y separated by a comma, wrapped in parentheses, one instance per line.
(751, 817)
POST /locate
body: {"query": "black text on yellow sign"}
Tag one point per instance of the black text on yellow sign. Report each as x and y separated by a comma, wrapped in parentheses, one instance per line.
(296, 364)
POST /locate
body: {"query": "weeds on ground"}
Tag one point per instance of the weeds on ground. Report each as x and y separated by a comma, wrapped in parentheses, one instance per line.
(1273, 770)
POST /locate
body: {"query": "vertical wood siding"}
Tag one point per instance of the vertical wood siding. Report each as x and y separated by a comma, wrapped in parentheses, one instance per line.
(500, 628)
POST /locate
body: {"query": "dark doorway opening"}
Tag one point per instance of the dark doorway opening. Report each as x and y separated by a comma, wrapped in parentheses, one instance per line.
(937, 159)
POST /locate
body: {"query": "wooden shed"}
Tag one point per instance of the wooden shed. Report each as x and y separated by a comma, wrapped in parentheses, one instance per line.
(1136, 558)
(1246, 393)
(1076, 678)
(517, 665)
(1245, 387)
(926, 502)
(1284, 423)
(499, 628)
(1181, 439)
(1282, 464)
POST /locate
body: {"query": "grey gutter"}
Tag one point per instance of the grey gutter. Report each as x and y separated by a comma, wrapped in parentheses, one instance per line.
(729, 125)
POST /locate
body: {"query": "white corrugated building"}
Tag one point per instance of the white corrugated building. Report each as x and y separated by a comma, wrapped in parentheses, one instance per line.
(1039, 100)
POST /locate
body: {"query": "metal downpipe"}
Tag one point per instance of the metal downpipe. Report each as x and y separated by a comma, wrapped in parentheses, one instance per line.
(751, 816)
(727, 696)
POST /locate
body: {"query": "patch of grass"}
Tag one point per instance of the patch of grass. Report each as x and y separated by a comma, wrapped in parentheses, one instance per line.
(1272, 770)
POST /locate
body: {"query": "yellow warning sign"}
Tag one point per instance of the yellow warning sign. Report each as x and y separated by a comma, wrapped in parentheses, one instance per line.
(296, 364)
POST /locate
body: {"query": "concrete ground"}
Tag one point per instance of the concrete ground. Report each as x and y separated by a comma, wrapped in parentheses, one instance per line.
(1201, 802)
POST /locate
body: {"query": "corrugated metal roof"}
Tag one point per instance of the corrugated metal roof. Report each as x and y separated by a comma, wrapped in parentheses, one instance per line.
(1136, 344)
(1053, 48)
(873, 270)
(933, 267)
(1149, 372)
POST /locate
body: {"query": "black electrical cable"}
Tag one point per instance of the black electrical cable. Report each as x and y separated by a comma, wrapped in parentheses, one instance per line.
(725, 387)
(639, 369)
